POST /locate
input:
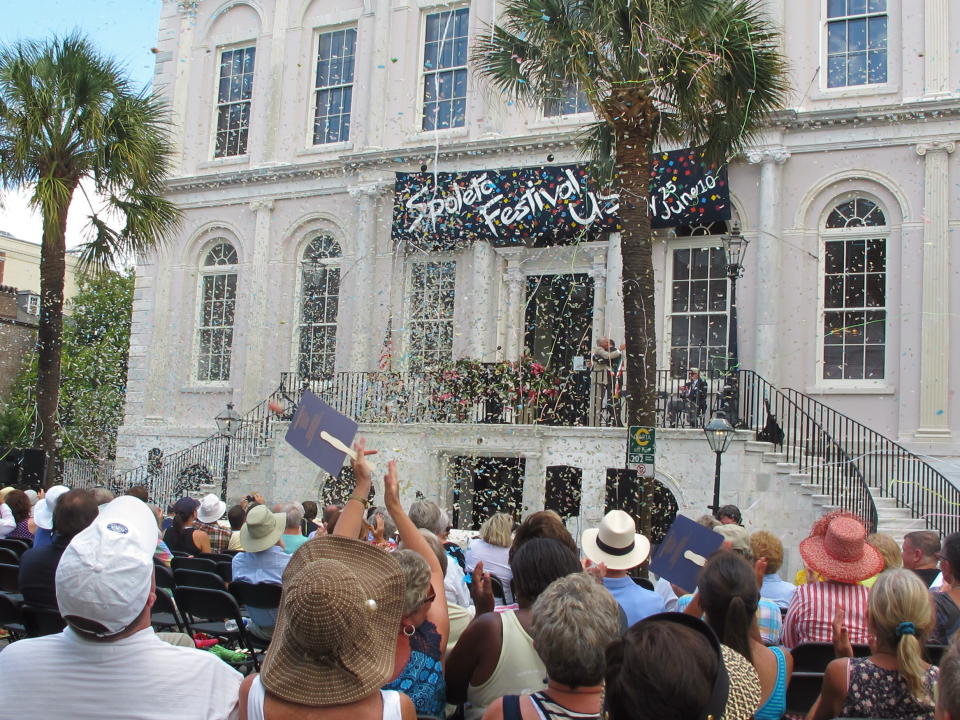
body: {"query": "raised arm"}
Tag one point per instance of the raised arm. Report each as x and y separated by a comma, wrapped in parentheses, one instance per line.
(412, 540)
(351, 517)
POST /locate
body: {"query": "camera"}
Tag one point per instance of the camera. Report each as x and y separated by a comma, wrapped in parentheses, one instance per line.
(250, 498)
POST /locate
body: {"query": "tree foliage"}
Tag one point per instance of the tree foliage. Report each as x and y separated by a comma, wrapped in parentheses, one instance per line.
(96, 338)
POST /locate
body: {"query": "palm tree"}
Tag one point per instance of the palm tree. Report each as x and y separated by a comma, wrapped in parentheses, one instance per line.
(703, 72)
(69, 115)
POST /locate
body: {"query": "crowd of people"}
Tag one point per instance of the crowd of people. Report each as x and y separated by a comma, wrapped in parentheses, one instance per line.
(383, 616)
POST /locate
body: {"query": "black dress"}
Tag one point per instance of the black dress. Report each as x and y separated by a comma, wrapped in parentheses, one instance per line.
(181, 542)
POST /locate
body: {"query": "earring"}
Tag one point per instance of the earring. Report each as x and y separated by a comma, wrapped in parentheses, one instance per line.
(409, 630)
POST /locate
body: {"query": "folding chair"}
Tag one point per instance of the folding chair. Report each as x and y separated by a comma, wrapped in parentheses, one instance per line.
(814, 657)
(194, 563)
(496, 585)
(225, 570)
(9, 578)
(11, 619)
(933, 653)
(199, 579)
(205, 610)
(8, 556)
(261, 596)
(164, 577)
(16, 544)
(216, 557)
(803, 691)
(164, 615)
(40, 621)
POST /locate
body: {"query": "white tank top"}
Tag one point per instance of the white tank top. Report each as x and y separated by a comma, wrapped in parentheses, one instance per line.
(391, 702)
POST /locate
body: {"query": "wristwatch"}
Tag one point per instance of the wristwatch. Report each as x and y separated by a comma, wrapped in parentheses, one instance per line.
(363, 501)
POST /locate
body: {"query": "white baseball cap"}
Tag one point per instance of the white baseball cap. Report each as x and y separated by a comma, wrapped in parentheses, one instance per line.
(43, 511)
(106, 571)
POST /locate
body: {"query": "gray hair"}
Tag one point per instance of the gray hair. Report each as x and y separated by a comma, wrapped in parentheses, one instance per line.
(434, 542)
(102, 495)
(389, 527)
(574, 620)
(427, 514)
(294, 511)
(416, 572)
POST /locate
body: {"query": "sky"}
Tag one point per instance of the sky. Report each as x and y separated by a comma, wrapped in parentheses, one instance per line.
(124, 29)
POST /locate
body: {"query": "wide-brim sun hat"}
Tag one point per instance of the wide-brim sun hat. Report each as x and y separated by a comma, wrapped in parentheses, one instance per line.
(838, 550)
(616, 543)
(335, 638)
(211, 509)
(43, 510)
(262, 529)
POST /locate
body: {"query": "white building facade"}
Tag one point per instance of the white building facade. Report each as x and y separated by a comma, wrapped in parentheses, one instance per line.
(292, 118)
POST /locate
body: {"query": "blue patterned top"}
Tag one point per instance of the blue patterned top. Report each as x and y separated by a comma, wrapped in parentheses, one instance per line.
(422, 677)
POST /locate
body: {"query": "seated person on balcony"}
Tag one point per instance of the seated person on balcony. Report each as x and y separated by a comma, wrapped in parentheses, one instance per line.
(38, 567)
(210, 511)
(692, 401)
(837, 549)
(920, 549)
(293, 538)
(183, 535)
(263, 561)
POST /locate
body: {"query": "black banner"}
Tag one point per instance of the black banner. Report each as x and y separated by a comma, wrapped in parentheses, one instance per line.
(686, 190)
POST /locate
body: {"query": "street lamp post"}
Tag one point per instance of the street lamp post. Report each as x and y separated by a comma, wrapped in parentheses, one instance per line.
(228, 423)
(719, 434)
(734, 247)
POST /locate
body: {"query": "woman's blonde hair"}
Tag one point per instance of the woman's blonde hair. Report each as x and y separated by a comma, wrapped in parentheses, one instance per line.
(497, 530)
(901, 617)
(888, 549)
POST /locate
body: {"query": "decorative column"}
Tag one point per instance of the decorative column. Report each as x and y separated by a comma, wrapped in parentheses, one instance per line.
(480, 346)
(598, 271)
(765, 265)
(936, 48)
(935, 318)
(256, 333)
(534, 482)
(361, 276)
(513, 325)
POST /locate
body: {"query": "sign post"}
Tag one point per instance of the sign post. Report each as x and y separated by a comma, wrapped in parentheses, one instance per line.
(641, 450)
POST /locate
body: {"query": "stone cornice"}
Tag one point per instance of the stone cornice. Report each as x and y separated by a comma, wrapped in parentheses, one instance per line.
(915, 111)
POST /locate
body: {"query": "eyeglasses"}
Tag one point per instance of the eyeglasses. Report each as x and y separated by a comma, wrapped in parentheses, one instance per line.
(431, 596)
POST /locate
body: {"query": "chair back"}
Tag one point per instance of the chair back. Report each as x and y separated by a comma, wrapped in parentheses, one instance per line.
(814, 657)
(164, 577)
(496, 585)
(216, 557)
(934, 653)
(225, 570)
(199, 579)
(11, 617)
(9, 578)
(9, 556)
(263, 596)
(803, 691)
(18, 545)
(40, 621)
(194, 563)
(164, 613)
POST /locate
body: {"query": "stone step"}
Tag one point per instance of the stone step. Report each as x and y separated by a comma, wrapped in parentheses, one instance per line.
(884, 502)
(820, 500)
(774, 457)
(798, 478)
(787, 468)
(893, 513)
(758, 447)
(906, 524)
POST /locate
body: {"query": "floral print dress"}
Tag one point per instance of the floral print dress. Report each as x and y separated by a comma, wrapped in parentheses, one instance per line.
(875, 692)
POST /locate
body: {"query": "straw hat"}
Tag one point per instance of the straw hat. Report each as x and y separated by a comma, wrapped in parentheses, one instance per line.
(262, 529)
(336, 633)
(616, 543)
(837, 549)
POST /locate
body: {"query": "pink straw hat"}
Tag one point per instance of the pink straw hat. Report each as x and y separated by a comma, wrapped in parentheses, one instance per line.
(837, 549)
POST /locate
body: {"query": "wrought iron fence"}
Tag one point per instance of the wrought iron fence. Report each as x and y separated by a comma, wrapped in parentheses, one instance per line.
(83, 473)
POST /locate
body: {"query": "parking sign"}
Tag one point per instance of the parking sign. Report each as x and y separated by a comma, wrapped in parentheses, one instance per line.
(641, 449)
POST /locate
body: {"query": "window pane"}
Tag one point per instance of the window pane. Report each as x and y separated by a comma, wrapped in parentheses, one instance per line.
(877, 32)
(875, 328)
(833, 328)
(853, 362)
(855, 256)
(877, 66)
(876, 294)
(833, 362)
(836, 37)
(857, 68)
(836, 8)
(874, 362)
(836, 71)
(856, 7)
(833, 291)
(876, 5)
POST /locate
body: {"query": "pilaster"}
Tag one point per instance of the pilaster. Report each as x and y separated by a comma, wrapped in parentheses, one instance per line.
(366, 199)
(534, 482)
(936, 48)
(512, 322)
(935, 322)
(256, 332)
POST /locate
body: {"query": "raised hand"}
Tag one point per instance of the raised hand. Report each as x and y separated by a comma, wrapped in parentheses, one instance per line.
(481, 589)
(841, 636)
(391, 485)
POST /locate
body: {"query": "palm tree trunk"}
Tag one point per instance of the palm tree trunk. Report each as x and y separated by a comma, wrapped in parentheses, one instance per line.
(50, 338)
(634, 145)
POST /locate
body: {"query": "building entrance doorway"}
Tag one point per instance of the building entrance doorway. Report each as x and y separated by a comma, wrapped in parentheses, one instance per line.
(558, 325)
(483, 486)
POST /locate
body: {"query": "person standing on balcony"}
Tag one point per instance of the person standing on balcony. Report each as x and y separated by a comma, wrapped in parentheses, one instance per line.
(692, 401)
(608, 363)
(920, 549)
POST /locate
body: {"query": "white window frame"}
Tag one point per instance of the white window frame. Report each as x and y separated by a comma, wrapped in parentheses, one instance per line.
(564, 116)
(862, 88)
(216, 101)
(422, 74)
(312, 105)
(33, 304)
(333, 262)
(205, 271)
(692, 242)
(860, 233)
(445, 258)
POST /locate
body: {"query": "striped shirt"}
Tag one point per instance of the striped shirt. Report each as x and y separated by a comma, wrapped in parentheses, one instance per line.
(810, 616)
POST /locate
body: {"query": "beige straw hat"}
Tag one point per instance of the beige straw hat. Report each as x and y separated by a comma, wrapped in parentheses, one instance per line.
(336, 634)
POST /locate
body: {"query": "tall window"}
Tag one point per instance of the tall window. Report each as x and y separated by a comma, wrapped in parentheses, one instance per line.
(218, 297)
(856, 42)
(319, 303)
(233, 101)
(431, 313)
(698, 311)
(445, 69)
(334, 88)
(855, 292)
(570, 100)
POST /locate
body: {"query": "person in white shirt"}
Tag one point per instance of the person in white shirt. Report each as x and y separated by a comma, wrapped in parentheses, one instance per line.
(492, 548)
(427, 515)
(108, 663)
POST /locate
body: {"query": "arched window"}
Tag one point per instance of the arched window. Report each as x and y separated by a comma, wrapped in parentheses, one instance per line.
(218, 297)
(319, 303)
(699, 308)
(855, 291)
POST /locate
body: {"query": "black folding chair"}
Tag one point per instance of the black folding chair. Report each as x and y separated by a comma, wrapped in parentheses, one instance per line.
(496, 585)
(207, 611)
(164, 577)
(803, 691)
(225, 570)
(8, 556)
(9, 578)
(40, 621)
(814, 657)
(199, 578)
(164, 614)
(194, 563)
(216, 557)
(16, 544)
(231, 553)
(260, 596)
(933, 653)
(11, 619)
